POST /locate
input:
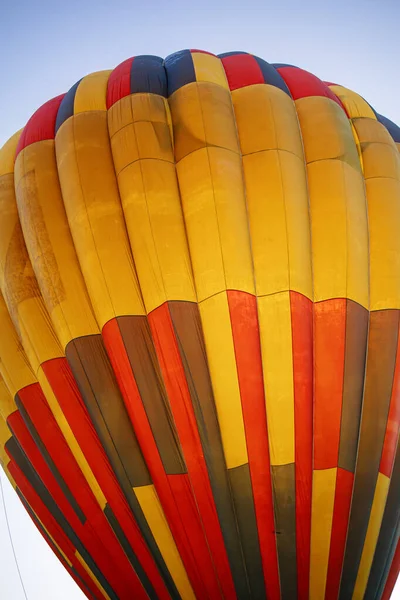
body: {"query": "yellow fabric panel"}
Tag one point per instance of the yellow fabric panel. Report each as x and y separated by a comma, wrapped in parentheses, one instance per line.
(149, 192)
(7, 154)
(19, 286)
(326, 131)
(91, 92)
(14, 365)
(266, 120)
(209, 68)
(214, 206)
(323, 498)
(276, 349)
(70, 438)
(154, 514)
(215, 318)
(339, 232)
(95, 216)
(49, 242)
(7, 404)
(202, 115)
(355, 105)
(398, 146)
(91, 575)
(382, 181)
(5, 433)
(371, 539)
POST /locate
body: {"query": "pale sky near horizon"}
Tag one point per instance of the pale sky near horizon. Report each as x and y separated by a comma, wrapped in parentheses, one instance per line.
(46, 46)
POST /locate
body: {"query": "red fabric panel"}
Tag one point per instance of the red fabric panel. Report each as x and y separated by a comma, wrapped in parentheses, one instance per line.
(181, 405)
(340, 522)
(41, 125)
(329, 339)
(119, 83)
(393, 574)
(302, 340)
(97, 534)
(302, 84)
(51, 525)
(242, 70)
(175, 495)
(393, 422)
(64, 386)
(246, 339)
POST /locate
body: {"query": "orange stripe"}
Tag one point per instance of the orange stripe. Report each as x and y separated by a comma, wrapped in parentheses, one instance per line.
(329, 336)
(246, 339)
(216, 570)
(302, 336)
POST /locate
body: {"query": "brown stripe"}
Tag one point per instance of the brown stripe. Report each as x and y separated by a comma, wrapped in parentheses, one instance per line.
(283, 480)
(187, 325)
(244, 505)
(382, 346)
(387, 540)
(353, 386)
(96, 381)
(139, 346)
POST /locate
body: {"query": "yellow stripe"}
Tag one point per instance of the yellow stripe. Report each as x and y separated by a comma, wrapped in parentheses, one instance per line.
(91, 575)
(382, 179)
(7, 404)
(49, 242)
(216, 323)
(71, 440)
(371, 539)
(323, 498)
(276, 349)
(144, 161)
(7, 154)
(355, 105)
(91, 93)
(276, 189)
(154, 514)
(95, 216)
(209, 68)
(339, 223)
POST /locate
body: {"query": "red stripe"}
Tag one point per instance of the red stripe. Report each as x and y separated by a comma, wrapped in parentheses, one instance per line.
(175, 495)
(302, 341)
(181, 405)
(393, 422)
(329, 338)
(64, 386)
(51, 525)
(41, 125)
(340, 522)
(393, 574)
(246, 339)
(97, 534)
(303, 84)
(242, 70)
(119, 83)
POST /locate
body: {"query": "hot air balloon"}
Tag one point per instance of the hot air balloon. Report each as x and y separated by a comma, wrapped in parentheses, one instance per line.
(199, 316)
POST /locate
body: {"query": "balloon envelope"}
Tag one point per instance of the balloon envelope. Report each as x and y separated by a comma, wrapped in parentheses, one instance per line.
(199, 314)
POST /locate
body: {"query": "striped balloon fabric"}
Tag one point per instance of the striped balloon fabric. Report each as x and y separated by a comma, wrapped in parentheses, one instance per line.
(199, 316)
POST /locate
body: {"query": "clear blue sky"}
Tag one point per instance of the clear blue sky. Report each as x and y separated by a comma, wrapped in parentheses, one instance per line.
(46, 46)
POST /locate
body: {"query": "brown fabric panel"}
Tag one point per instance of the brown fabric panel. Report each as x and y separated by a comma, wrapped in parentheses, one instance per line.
(388, 536)
(136, 335)
(187, 325)
(382, 345)
(244, 505)
(96, 381)
(49, 461)
(283, 481)
(353, 385)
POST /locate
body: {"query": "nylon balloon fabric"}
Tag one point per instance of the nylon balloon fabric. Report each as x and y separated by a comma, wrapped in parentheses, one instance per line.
(199, 314)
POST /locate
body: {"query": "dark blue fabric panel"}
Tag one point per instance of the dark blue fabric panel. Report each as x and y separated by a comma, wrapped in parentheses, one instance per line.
(392, 128)
(281, 65)
(148, 76)
(66, 109)
(271, 75)
(180, 70)
(225, 54)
